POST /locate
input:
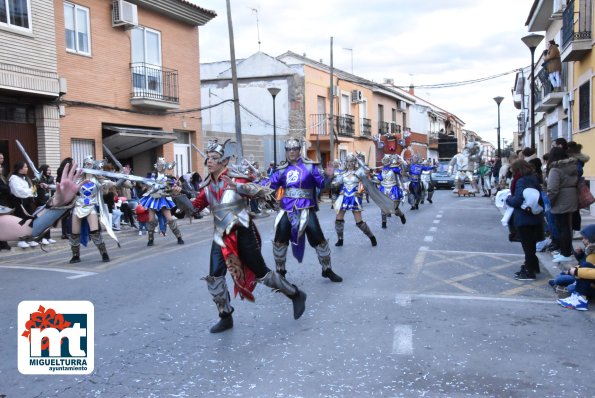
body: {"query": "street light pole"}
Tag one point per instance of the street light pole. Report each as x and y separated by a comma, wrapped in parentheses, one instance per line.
(532, 41)
(274, 91)
(498, 101)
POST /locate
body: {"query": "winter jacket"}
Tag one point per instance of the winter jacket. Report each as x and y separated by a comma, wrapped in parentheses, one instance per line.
(581, 159)
(520, 217)
(561, 186)
(554, 63)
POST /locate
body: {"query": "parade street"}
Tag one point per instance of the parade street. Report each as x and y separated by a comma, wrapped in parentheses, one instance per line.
(433, 310)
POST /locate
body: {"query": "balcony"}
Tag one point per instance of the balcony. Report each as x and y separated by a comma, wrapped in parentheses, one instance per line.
(576, 30)
(432, 140)
(395, 128)
(318, 124)
(366, 128)
(154, 87)
(344, 125)
(383, 128)
(546, 99)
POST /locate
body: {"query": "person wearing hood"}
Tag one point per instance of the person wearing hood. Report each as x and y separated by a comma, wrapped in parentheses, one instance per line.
(553, 63)
(531, 157)
(527, 219)
(562, 179)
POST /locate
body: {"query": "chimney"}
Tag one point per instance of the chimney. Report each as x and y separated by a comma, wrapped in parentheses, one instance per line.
(411, 89)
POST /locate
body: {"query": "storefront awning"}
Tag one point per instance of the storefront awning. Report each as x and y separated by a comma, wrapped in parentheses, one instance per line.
(125, 142)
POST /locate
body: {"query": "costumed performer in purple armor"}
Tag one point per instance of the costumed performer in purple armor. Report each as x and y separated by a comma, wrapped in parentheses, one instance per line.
(236, 241)
(157, 199)
(350, 186)
(299, 178)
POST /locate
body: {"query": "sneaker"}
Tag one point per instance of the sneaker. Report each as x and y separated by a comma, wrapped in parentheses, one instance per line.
(51, 241)
(33, 244)
(44, 241)
(562, 259)
(525, 276)
(22, 244)
(575, 301)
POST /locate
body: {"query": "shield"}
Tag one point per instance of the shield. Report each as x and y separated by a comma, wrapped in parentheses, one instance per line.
(383, 201)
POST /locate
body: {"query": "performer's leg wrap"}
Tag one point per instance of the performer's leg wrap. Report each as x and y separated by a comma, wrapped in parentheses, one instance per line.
(280, 254)
(339, 227)
(97, 238)
(366, 230)
(75, 246)
(324, 255)
(173, 225)
(218, 289)
(277, 282)
(383, 215)
(151, 230)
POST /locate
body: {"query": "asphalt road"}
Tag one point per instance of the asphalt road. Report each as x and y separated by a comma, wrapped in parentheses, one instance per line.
(432, 311)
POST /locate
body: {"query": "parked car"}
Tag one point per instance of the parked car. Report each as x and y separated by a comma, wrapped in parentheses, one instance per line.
(440, 177)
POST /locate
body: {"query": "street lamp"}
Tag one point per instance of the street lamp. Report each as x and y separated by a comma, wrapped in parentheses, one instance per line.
(498, 101)
(274, 91)
(532, 41)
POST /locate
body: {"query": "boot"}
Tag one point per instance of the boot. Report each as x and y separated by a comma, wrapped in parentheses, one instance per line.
(75, 246)
(280, 255)
(173, 225)
(151, 232)
(218, 289)
(103, 251)
(323, 251)
(225, 323)
(276, 282)
(384, 224)
(366, 230)
(339, 227)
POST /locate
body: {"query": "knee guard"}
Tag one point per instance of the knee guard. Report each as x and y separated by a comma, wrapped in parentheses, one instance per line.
(173, 225)
(340, 227)
(280, 254)
(323, 251)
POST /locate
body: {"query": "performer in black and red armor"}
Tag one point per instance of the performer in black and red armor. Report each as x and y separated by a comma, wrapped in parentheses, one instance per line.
(236, 241)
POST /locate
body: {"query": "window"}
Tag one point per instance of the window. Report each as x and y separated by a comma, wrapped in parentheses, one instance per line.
(584, 105)
(80, 148)
(146, 60)
(76, 28)
(15, 14)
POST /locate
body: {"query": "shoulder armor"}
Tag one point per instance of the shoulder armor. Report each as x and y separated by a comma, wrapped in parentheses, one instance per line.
(205, 182)
(283, 165)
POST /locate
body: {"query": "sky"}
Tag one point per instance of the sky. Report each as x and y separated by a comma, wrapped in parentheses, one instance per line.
(410, 41)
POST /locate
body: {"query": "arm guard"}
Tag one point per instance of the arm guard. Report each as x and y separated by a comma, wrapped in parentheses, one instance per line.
(45, 217)
(254, 190)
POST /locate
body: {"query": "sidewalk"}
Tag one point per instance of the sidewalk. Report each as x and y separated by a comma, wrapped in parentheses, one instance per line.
(545, 258)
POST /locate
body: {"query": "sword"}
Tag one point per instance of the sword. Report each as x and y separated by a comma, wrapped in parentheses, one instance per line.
(36, 172)
(111, 155)
(147, 181)
(197, 149)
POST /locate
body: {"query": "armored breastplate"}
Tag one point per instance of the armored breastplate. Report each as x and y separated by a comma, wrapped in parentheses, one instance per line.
(350, 183)
(87, 194)
(227, 212)
(389, 179)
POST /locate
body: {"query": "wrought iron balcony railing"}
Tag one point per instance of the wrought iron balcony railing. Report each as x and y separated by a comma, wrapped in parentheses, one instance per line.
(344, 125)
(319, 124)
(366, 127)
(154, 82)
(576, 25)
(383, 128)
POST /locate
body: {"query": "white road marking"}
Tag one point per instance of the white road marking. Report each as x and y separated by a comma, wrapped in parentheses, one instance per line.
(486, 253)
(436, 221)
(77, 274)
(433, 229)
(428, 238)
(403, 300)
(480, 298)
(403, 340)
(438, 215)
(424, 248)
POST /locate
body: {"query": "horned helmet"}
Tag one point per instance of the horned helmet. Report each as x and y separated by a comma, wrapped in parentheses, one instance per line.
(226, 150)
(350, 161)
(292, 143)
(161, 165)
(90, 163)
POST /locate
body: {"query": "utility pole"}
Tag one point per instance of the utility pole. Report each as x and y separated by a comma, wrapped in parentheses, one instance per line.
(331, 115)
(234, 82)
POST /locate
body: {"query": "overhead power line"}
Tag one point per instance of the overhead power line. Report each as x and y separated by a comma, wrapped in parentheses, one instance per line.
(462, 83)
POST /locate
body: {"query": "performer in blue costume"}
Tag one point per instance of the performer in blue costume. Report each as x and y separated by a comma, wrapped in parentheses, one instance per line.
(299, 177)
(349, 183)
(390, 184)
(416, 188)
(159, 200)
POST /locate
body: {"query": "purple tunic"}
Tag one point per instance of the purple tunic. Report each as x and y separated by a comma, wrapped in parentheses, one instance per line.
(304, 176)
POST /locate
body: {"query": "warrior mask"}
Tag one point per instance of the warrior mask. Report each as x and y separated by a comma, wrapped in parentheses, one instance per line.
(386, 160)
